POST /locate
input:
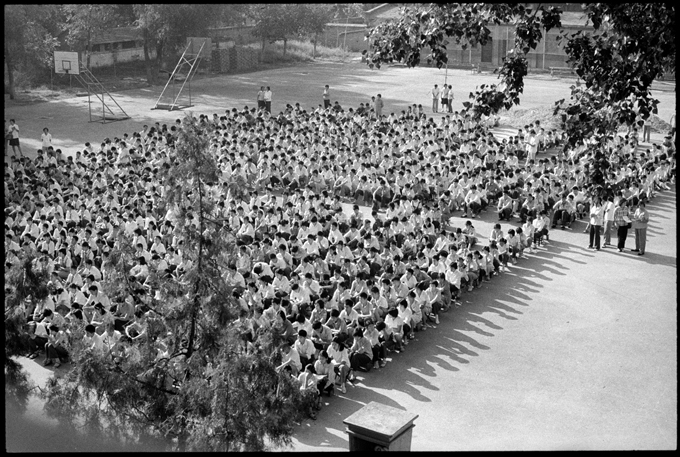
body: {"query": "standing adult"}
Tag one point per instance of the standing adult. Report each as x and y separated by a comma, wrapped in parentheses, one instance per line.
(596, 217)
(647, 130)
(445, 96)
(608, 212)
(621, 220)
(326, 97)
(640, 219)
(260, 99)
(14, 139)
(435, 98)
(8, 135)
(268, 100)
(531, 147)
(449, 102)
(378, 106)
(46, 139)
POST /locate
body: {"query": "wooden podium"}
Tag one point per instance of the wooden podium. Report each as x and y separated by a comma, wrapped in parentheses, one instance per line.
(377, 427)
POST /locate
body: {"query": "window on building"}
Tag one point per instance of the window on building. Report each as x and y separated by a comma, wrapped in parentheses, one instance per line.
(129, 44)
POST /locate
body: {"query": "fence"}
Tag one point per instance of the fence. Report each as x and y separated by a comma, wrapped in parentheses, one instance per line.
(234, 59)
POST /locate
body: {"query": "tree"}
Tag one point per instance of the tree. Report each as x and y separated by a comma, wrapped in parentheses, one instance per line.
(617, 63)
(191, 379)
(166, 27)
(30, 39)
(630, 46)
(315, 17)
(84, 22)
(277, 21)
(25, 284)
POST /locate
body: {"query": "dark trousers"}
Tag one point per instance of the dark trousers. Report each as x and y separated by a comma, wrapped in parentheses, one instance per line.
(268, 106)
(119, 324)
(594, 236)
(505, 213)
(641, 239)
(474, 206)
(54, 352)
(379, 352)
(37, 343)
(622, 233)
(358, 359)
(562, 216)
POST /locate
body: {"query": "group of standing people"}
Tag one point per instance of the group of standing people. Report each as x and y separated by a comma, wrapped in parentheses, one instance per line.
(445, 95)
(264, 99)
(615, 213)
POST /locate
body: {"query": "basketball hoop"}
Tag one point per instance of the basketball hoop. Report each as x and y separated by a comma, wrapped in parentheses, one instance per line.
(66, 63)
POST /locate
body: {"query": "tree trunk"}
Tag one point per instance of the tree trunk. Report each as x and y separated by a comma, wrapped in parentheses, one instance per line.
(10, 71)
(314, 48)
(199, 267)
(147, 60)
(263, 41)
(88, 50)
(160, 45)
(285, 44)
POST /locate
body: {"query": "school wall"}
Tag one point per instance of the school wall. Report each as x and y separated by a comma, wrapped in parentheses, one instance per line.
(107, 58)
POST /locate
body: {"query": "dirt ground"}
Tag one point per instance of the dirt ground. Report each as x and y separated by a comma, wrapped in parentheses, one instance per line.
(572, 349)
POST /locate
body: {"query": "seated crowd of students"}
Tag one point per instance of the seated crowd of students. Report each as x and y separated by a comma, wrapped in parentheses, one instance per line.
(342, 290)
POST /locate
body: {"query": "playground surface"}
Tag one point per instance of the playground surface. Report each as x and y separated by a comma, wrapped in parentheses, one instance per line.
(572, 349)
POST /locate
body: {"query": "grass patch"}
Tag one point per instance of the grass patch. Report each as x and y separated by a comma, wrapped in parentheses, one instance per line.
(302, 51)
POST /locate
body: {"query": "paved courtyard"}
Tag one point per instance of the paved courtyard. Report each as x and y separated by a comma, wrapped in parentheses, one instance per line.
(572, 349)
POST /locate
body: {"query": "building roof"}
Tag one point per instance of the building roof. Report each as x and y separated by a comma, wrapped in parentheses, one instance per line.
(574, 18)
(387, 11)
(384, 12)
(117, 35)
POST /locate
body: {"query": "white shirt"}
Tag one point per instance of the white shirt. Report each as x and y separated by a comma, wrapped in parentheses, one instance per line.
(46, 141)
(609, 211)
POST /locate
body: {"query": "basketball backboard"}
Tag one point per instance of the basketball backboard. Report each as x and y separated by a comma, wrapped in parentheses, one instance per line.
(66, 63)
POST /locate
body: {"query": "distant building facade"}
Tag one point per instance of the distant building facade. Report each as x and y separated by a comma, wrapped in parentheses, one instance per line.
(118, 45)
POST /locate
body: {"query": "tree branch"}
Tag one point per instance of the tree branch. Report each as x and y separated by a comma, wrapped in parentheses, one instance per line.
(160, 389)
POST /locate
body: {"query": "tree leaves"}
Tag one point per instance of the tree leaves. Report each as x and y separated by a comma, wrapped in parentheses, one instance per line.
(630, 46)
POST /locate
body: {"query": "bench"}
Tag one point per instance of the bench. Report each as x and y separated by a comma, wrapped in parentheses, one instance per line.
(567, 70)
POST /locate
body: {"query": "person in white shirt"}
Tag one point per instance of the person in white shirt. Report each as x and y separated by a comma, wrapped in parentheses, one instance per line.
(473, 202)
(92, 340)
(531, 147)
(541, 224)
(305, 348)
(46, 139)
(110, 337)
(395, 324)
(290, 358)
(608, 211)
(268, 100)
(596, 218)
(435, 98)
(341, 363)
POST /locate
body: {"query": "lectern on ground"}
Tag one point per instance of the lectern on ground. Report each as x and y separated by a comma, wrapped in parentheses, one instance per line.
(378, 427)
